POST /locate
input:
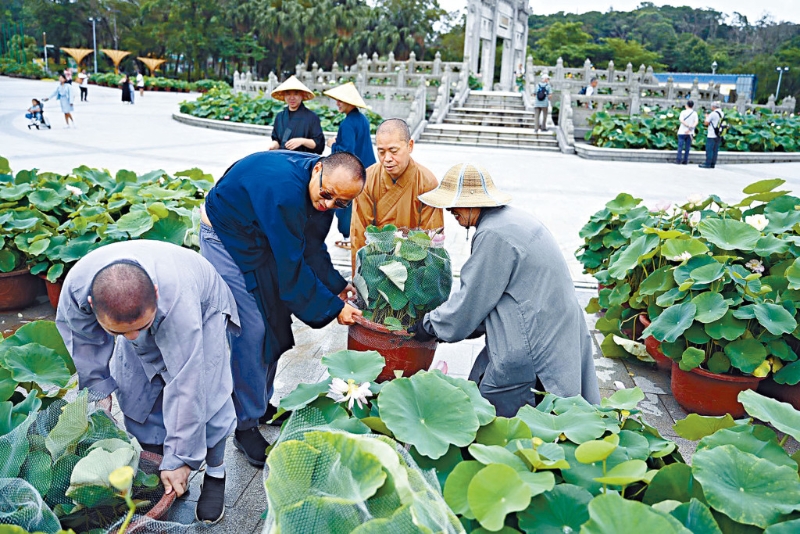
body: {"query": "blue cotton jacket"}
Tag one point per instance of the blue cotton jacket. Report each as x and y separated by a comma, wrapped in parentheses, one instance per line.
(353, 136)
(261, 211)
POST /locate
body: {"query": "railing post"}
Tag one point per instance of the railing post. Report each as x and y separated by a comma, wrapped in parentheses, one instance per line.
(437, 64)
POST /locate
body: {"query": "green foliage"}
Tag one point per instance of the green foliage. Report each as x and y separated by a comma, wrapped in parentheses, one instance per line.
(11, 68)
(110, 79)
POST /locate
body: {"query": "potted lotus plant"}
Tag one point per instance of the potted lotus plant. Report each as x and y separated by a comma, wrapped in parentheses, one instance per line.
(399, 278)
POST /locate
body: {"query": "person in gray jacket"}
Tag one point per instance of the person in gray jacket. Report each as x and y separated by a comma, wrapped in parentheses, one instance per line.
(149, 320)
(515, 288)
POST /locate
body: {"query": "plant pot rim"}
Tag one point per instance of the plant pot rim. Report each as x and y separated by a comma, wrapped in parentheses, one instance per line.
(376, 327)
(165, 503)
(716, 376)
(16, 272)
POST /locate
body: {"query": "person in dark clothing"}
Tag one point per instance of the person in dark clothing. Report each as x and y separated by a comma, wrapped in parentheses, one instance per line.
(126, 89)
(263, 228)
(296, 127)
(353, 136)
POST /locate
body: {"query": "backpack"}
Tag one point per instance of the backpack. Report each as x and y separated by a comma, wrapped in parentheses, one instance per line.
(582, 91)
(722, 130)
(541, 92)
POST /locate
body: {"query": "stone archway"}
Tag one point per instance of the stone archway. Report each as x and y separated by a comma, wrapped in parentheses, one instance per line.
(488, 21)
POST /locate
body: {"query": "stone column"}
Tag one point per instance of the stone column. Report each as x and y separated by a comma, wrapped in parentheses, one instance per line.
(507, 66)
(487, 64)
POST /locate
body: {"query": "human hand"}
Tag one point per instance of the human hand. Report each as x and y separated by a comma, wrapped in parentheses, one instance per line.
(105, 404)
(331, 141)
(294, 144)
(346, 316)
(348, 292)
(419, 333)
(176, 480)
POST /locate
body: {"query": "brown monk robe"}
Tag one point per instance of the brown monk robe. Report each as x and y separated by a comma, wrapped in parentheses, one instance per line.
(394, 184)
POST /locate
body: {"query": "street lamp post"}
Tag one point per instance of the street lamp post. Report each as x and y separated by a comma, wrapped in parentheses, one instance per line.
(714, 67)
(94, 41)
(780, 70)
(45, 47)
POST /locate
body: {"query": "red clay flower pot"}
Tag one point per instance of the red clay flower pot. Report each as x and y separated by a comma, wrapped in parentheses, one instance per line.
(780, 392)
(401, 352)
(705, 393)
(653, 346)
(53, 290)
(18, 289)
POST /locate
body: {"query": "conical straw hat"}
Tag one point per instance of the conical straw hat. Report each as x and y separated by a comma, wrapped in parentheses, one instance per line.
(466, 186)
(292, 84)
(348, 94)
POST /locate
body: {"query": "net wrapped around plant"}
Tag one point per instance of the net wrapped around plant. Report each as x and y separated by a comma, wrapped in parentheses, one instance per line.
(55, 466)
(339, 478)
(400, 276)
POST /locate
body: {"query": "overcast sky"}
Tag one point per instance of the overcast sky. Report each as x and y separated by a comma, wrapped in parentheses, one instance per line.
(788, 10)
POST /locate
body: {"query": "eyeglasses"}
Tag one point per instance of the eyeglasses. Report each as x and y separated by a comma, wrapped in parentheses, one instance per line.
(338, 203)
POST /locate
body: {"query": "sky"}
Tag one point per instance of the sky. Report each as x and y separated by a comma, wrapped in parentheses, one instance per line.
(788, 10)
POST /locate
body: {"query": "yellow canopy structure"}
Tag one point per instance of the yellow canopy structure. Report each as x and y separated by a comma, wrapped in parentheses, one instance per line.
(152, 63)
(77, 53)
(116, 56)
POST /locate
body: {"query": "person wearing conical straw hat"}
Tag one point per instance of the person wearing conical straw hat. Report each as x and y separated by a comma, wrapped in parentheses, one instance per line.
(296, 127)
(353, 136)
(515, 288)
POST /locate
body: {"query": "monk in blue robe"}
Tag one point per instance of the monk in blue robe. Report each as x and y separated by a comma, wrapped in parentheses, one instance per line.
(264, 228)
(296, 127)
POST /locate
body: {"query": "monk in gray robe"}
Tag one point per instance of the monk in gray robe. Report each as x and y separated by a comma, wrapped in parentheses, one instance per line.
(149, 320)
(515, 288)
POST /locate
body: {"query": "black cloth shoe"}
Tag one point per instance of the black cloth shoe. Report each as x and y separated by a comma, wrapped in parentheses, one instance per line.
(704, 166)
(252, 444)
(211, 504)
(266, 419)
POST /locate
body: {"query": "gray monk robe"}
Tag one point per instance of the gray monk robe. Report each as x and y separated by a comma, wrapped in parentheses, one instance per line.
(516, 287)
(173, 382)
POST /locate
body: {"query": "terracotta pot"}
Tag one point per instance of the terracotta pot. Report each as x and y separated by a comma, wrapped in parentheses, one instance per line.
(705, 393)
(401, 353)
(18, 289)
(53, 290)
(653, 346)
(780, 392)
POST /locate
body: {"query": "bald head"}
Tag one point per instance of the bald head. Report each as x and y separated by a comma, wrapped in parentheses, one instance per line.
(348, 162)
(123, 292)
(394, 127)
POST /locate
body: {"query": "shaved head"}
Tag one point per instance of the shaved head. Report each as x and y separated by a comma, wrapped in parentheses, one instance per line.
(394, 127)
(123, 292)
(347, 161)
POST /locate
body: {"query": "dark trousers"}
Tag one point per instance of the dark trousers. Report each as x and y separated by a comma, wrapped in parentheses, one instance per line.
(84, 93)
(712, 149)
(684, 146)
(343, 217)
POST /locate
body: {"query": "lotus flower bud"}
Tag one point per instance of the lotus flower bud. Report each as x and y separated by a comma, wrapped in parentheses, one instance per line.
(121, 478)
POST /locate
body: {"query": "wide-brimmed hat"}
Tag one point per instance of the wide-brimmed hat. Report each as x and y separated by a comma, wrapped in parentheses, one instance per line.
(348, 94)
(466, 185)
(292, 84)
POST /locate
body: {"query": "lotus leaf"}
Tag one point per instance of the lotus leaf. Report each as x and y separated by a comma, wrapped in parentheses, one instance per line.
(303, 395)
(769, 245)
(624, 474)
(787, 527)
(455, 489)
(729, 234)
(577, 425)
(695, 427)
(611, 514)
(746, 354)
(538, 482)
(135, 223)
(793, 274)
(710, 307)
(35, 363)
(14, 450)
(691, 358)
(563, 509)
(781, 415)
(623, 203)
(496, 491)
(171, 229)
(503, 430)
(673, 248)
(495, 454)
(483, 408)
(729, 327)
(25, 509)
(41, 332)
(358, 366)
(696, 517)
(790, 374)
(659, 280)
(401, 521)
(707, 273)
(719, 363)
(71, 425)
(744, 487)
(674, 481)
(319, 514)
(624, 399)
(429, 413)
(775, 318)
(744, 438)
(630, 257)
(94, 468)
(634, 348)
(397, 273)
(590, 452)
(672, 322)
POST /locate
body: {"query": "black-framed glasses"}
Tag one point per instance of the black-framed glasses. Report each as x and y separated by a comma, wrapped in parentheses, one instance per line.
(338, 203)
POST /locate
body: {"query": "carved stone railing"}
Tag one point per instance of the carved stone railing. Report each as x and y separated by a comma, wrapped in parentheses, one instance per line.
(449, 95)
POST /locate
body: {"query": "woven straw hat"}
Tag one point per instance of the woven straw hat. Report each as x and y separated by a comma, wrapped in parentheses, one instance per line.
(292, 84)
(466, 186)
(348, 94)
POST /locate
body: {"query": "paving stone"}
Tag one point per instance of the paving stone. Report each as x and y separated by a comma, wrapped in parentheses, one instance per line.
(609, 371)
(234, 522)
(459, 358)
(686, 448)
(675, 411)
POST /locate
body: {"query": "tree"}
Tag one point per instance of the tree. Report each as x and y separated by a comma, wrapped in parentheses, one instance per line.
(692, 54)
(569, 42)
(624, 52)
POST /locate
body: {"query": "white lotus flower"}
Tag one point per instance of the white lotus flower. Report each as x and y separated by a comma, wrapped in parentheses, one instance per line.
(663, 205)
(646, 109)
(683, 256)
(694, 219)
(662, 117)
(759, 222)
(755, 265)
(695, 200)
(161, 180)
(341, 391)
(74, 190)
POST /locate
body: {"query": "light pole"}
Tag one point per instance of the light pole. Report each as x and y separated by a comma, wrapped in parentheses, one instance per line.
(45, 47)
(94, 41)
(714, 67)
(780, 70)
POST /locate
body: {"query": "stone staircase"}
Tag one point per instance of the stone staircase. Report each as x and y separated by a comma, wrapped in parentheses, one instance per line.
(490, 118)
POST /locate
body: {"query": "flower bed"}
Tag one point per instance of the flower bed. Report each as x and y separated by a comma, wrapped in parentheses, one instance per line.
(14, 69)
(223, 104)
(755, 131)
(152, 83)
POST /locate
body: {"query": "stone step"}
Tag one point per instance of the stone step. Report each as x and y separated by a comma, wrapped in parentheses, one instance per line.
(494, 106)
(495, 130)
(494, 143)
(532, 140)
(489, 121)
(507, 112)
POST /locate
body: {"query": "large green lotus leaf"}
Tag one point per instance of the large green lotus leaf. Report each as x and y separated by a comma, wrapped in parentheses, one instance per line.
(793, 274)
(484, 409)
(350, 364)
(624, 399)
(95, 467)
(711, 307)
(691, 359)
(729, 327)
(538, 482)
(787, 527)
(429, 413)
(495, 454)
(171, 229)
(696, 427)
(135, 223)
(629, 258)
(775, 318)
(36, 363)
(683, 272)
(657, 281)
(503, 430)
(72, 424)
(392, 294)
(494, 492)
(762, 186)
(769, 245)
(576, 424)
(563, 509)
(707, 273)
(412, 251)
(319, 514)
(92, 496)
(743, 438)
(14, 192)
(457, 484)
(8, 261)
(397, 273)
(790, 374)
(675, 248)
(744, 487)
(23, 506)
(41, 332)
(673, 482)
(624, 474)
(14, 449)
(292, 466)
(400, 522)
(746, 354)
(594, 451)
(7, 384)
(46, 199)
(696, 516)
(611, 514)
(303, 395)
(672, 322)
(781, 415)
(729, 234)
(623, 203)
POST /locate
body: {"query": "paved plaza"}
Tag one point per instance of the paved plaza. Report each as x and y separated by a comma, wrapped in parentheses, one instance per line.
(562, 190)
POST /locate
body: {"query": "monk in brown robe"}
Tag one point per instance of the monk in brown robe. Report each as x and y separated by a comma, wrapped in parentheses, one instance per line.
(394, 184)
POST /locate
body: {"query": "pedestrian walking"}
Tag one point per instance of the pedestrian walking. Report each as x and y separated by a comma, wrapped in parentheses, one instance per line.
(140, 83)
(64, 95)
(126, 86)
(713, 135)
(541, 103)
(84, 85)
(688, 119)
